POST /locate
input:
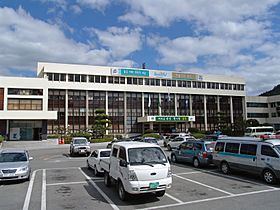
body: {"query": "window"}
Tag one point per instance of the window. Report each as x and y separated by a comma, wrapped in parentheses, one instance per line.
(91, 78)
(257, 105)
(110, 80)
(257, 115)
(198, 146)
(248, 149)
(189, 146)
(63, 77)
(17, 91)
(163, 82)
(50, 76)
(83, 78)
(56, 77)
(232, 147)
(268, 151)
(157, 82)
(70, 77)
(25, 104)
(129, 80)
(77, 78)
(103, 79)
(97, 79)
(122, 80)
(122, 154)
(115, 151)
(220, 146)
(94, 154)
(105, 153)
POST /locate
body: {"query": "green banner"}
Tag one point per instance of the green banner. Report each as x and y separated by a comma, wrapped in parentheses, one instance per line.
(172, 119)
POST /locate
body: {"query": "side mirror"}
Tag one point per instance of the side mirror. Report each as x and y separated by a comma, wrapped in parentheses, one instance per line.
(30, 158)
(123, 163)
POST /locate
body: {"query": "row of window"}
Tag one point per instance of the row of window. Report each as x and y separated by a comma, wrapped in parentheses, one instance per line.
(20, 91)
(257, 115)
(143, 81)
(245, 149)
(257, 105)
(25, 104)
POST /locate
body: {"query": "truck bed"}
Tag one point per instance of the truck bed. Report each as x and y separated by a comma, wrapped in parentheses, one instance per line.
(105, 164)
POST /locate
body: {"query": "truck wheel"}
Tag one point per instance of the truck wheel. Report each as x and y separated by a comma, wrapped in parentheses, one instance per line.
(196, 163)
(164, 144)
(88, 166)
(107, 180)
(173, 158)
(169, 147)
(160, 193)
(95, 171)
(225, 167)
(268, 176)
(121, 191)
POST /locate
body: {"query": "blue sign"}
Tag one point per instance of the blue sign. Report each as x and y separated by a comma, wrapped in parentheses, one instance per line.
(134, 72)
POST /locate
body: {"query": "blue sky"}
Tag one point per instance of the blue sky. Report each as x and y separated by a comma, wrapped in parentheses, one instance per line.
(237, 37)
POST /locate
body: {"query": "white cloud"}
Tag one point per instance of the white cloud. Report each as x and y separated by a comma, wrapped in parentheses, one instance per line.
(94, 4)
(24, 41)
(76, 9)
(120, 41)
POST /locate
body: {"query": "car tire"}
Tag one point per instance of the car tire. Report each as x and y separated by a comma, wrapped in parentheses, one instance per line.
(164, 144)
(88, 166)
(107, 179)
(173, 158)
(121, 191)
(160, 193)
(196, 163)
(224, 167)
(268, 176)
(169, 148)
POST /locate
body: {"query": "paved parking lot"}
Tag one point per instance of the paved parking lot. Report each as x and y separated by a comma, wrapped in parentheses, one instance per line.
(62, 182)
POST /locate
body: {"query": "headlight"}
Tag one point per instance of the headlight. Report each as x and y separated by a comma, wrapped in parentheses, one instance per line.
(132, 176)
(169, 173)
(23, 169)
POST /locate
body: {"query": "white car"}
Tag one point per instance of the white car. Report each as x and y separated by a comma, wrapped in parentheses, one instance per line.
(93, 161)
(177, 141)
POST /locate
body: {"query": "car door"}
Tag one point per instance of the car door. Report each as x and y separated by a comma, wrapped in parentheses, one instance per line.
(248, 157)
(180, 152)
(114, 163)
(188, 152)
(268, 158)
(92, 159)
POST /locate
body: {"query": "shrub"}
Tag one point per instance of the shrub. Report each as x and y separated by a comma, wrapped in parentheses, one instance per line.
(149, 131)
(198, 135)
(53, 136)
(1, 139)
(81, 134)
(108, 139)
(193, 130)
(154, 135)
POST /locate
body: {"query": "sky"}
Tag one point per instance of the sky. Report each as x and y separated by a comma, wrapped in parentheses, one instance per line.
(226, 37)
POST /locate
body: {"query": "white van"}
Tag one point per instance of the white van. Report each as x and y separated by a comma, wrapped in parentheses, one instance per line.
(137, 168)
(250, 155)
(258, 131)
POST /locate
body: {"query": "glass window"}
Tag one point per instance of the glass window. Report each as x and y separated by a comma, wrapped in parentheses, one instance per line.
(168, 83)
(83, 78)
(105, 153)
(56, 77)
(129, 80)
(50, 76)
(97, 79)
(103, 79)
(198, 146)
(138, 156)
(232, 147)
(248, 149)
(110, 80)
(163, 82)
(91, 78)
(140, 81)
(77, 78)
(122, 154)
(70, 77)
(268, 151)
(115, 151)
(122, 80)
(157, 82)
(62, 77)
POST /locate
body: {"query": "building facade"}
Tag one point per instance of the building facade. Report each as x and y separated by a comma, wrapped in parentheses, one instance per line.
(135, 99)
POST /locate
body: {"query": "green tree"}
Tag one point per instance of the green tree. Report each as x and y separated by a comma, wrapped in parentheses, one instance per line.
(252, 123)
(101, 123)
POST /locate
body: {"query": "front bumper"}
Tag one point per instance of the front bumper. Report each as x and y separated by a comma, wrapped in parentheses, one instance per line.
(82, 150)
(138, 187)
(14, 176)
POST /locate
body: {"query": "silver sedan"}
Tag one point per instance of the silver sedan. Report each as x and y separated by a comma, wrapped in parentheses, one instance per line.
(14, 165)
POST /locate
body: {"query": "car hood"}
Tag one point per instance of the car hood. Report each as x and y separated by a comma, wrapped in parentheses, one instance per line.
(76, 145)
(13, 165)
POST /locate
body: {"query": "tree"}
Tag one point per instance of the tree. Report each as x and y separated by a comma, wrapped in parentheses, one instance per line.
(101, 123)
(252, 123)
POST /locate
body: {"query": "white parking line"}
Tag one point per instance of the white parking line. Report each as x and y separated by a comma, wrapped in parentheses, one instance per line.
(190, 172)
(205, 185)
(44, 191)
(173, 198)
(29, 191)
(209, 199)
(66, 183)
(114, 206)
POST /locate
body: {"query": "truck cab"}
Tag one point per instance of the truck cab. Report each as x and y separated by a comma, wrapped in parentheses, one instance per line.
(137, 168)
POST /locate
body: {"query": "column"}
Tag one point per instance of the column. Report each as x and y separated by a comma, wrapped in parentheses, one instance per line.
(205, 113)
(159, 105)
(87, 110)
(106, 108)
(191, 111)
(7, 129)
(231, 110)
(244, 108)
(175, 103)
(143, 105)
(66, 110)
(218, 104)
(125, 114)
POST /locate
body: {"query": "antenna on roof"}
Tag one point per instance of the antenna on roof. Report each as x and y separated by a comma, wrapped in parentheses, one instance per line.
(143, 65)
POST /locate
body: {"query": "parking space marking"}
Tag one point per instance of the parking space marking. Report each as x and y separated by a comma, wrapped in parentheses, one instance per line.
(210, 199)
(192, 172)
(173, 198)
(66, 183)
(235, 178)
(205, 185)
(29, 191)
(114, 206)
(44, 191)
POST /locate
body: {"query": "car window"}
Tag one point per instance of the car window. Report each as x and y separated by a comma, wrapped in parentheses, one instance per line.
(94, 154)
(12, 157)
(138, 156)
(220, 146)
(198, 146)
(232, 147)
(248, 149)
(122, 154)
(105, 153)
(183, 146)
(79, 141)
(115, 151)
(268, 151)
(210, 146)
(189, 146)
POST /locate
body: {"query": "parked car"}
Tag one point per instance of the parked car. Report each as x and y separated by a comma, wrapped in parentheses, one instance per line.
(249, 154)
(109, 145)
(171, 136)
(177, 141)
(149, 140)
(93, 161)
(197, 152)
(79, 146)
(14, 165)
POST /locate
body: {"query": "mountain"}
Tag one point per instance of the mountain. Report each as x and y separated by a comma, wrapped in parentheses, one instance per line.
(273, 92)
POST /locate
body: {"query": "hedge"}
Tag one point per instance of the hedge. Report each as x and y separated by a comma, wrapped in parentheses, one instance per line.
(198, 135)
(1, 138)
(53, 136)
(101, 140)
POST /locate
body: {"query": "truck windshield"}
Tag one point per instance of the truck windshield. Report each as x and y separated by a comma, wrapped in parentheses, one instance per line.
(80, 141)
(151, 155)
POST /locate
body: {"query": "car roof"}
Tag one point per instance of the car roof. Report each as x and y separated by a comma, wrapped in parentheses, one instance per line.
(134, 144)
(102, 150)
(79, 138)
(13, 151)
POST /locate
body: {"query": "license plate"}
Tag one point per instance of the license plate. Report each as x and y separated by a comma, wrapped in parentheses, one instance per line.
(154, 185)
(82, 151)
(8, 175)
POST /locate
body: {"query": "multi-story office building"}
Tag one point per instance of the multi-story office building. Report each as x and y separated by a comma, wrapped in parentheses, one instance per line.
(134, 99)
(265, 109)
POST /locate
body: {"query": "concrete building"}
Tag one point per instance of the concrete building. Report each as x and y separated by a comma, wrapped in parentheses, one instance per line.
(135, 99)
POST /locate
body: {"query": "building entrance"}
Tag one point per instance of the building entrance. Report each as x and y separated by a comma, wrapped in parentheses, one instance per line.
(25, 130)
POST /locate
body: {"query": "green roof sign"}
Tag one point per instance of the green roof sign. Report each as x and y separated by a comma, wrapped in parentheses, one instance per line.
(172, 119)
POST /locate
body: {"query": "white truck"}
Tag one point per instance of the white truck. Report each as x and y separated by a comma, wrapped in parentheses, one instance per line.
(136, 168)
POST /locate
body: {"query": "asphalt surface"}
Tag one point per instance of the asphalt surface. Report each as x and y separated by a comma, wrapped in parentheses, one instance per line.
(61, 182)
